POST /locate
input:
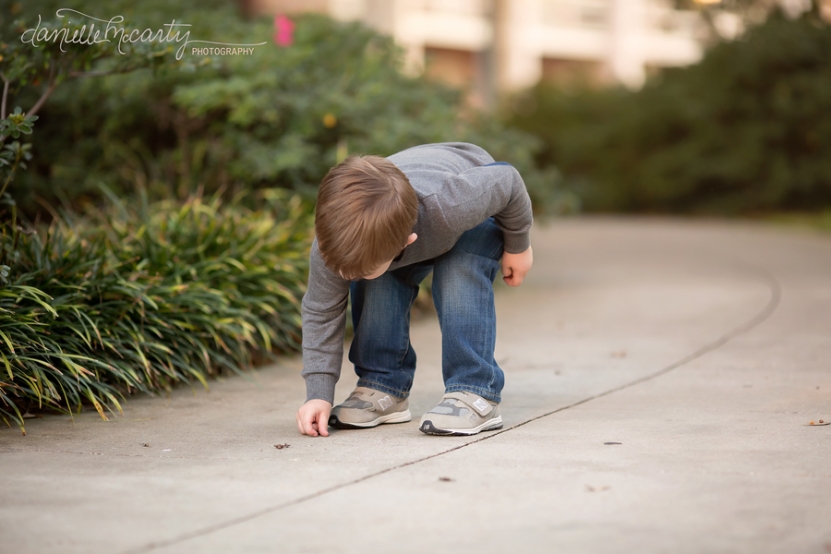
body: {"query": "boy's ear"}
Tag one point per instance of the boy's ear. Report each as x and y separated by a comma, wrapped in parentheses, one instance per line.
(411, 239)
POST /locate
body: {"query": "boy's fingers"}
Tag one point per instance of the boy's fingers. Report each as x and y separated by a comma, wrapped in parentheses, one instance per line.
(516, 266)
(313, 425)
(516, 281)
(511, 277)
(518, 277)
(308, 428)
(323, 424)
(300, 423)
(313, 419)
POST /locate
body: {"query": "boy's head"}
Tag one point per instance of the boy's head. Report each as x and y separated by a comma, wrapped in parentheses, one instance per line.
(366, 210)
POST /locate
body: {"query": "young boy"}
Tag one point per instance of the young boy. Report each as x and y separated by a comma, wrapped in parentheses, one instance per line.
(382, 224)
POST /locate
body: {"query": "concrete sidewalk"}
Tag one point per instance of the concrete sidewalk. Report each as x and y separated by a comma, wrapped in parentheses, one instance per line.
(661, 378)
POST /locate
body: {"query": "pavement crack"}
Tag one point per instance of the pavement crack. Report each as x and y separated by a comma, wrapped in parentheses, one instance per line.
(773, 302)
(775, 289)
(253, 515)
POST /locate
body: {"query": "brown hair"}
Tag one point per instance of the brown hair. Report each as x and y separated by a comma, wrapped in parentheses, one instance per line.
(366, 210)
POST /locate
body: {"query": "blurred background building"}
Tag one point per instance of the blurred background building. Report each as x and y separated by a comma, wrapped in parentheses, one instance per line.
(494, 46)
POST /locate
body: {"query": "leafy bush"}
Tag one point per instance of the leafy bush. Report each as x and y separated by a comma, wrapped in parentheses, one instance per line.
(138, 299)
(745, 130)
(280, 117)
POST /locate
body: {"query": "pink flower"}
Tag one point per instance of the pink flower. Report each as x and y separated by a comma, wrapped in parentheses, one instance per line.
(283, 31)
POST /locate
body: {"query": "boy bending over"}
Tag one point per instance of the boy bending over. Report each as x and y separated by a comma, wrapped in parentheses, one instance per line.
(382, 224)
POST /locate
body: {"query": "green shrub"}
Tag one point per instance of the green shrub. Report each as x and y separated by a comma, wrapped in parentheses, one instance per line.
(139, 299)
(280, 117)
(745, 130)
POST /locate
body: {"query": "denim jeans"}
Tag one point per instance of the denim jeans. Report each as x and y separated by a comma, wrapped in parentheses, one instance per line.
(463, 294)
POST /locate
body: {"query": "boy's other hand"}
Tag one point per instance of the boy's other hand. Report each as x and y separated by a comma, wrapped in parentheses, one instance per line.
(516, 266)
(313, 418)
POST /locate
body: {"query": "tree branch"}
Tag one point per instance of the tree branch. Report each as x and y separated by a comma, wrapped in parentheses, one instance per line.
(52, 84)
(5, 95)
(42, 99)
(11, 172)
(92, 73)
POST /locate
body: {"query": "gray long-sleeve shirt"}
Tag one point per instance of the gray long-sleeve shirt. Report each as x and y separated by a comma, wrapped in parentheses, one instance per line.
(457, 190)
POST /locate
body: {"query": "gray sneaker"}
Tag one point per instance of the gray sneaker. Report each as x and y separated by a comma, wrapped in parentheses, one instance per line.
(461, 413)
(367, 407)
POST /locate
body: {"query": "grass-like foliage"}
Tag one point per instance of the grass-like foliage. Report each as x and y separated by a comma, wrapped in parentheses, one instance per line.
(139, 297)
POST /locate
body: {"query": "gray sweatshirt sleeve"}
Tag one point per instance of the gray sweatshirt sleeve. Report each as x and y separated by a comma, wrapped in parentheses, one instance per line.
(324, 318)
(494, 189)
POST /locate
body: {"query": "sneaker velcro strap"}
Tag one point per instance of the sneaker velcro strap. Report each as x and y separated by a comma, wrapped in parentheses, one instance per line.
(380, 401)
(360, 400)
(383, 402)
(366, 396)
(477, 403)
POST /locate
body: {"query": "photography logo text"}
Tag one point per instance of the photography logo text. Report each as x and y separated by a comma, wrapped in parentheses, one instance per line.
(98, 31)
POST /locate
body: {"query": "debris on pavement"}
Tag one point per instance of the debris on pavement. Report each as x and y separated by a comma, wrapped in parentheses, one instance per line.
(281, 446)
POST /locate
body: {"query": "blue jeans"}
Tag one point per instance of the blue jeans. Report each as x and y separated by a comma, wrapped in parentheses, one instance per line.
(463, 294)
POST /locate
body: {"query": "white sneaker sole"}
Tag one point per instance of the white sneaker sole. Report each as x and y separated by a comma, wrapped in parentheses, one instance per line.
(428, 427)
(395, 417)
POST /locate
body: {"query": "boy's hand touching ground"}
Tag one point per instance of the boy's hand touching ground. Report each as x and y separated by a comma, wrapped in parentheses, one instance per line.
(313, 418)
(516, 266)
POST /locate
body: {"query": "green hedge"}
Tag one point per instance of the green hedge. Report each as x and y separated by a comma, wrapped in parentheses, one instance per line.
(280, 117)
(128, 300)
(745, 130)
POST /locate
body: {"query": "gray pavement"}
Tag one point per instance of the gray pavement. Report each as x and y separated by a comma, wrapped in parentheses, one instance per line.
(661, 378)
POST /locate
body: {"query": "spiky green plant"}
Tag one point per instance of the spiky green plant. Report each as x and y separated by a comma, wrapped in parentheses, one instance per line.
(139, 297)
